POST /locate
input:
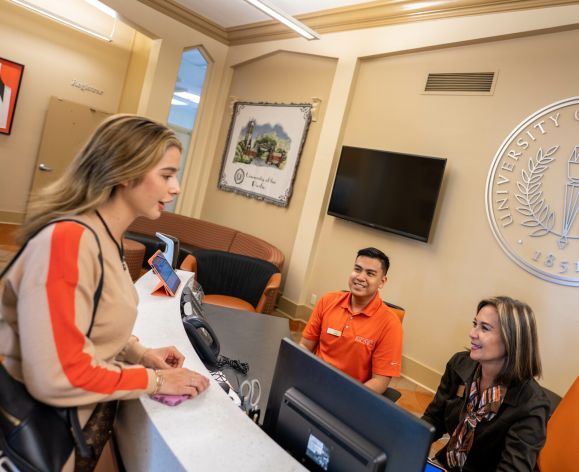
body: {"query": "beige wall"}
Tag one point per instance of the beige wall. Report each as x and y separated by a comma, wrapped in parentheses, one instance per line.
(53, 55)
(440, 283)
(138, 65)
(350, 47)
(278, 78)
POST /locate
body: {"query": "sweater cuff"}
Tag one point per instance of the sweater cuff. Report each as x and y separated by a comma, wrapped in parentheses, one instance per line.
(133, 351)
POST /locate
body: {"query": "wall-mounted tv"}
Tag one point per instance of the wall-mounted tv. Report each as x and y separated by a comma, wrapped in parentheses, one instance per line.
(386, 190)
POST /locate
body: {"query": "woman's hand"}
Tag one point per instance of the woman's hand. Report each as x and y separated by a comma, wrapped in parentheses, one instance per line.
(181, 381)
(163, 358)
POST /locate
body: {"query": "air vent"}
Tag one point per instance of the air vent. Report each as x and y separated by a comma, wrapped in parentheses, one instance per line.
(476, 83)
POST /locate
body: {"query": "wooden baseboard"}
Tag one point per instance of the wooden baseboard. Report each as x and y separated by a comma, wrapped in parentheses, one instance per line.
(420, 374)
(11, 217)
(293, 310)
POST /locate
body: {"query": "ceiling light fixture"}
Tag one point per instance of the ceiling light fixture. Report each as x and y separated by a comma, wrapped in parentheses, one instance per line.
(60, 19)
(102, 7)
(284, 18)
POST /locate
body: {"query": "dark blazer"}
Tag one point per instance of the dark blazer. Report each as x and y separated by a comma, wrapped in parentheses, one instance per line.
(511, 440)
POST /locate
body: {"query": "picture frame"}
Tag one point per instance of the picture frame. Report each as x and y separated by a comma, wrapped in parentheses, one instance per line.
(10, 80)
(263, 150)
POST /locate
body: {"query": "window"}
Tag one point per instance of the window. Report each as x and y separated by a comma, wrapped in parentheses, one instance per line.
(185, 101)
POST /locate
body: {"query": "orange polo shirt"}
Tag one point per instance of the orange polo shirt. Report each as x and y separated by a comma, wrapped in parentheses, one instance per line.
(360, 344)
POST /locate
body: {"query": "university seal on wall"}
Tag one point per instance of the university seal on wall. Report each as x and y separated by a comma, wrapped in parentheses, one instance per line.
(532, 193)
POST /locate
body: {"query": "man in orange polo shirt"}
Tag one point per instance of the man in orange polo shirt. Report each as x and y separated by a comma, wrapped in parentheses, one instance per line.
(355, 331)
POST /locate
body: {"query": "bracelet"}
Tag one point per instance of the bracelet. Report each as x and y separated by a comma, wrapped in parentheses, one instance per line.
(159, 381)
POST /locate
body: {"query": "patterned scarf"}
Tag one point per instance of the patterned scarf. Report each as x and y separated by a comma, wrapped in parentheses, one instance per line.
(478, 409)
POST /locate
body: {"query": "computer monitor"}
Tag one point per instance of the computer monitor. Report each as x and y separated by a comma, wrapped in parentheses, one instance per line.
(331, 422)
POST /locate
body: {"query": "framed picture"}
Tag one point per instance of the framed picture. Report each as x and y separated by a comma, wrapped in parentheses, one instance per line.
(263, 150)
(10, 78)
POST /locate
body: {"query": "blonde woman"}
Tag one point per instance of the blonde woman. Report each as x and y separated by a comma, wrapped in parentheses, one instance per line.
(126, 170)
(488, 399)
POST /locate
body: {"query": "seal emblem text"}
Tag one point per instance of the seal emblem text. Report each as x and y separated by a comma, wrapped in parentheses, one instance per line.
(532, 193)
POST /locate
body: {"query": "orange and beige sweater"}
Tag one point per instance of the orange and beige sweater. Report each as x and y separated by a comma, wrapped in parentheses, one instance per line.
(46, 309)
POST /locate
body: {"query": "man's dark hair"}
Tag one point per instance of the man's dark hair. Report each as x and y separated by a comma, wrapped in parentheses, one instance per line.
(374, 253)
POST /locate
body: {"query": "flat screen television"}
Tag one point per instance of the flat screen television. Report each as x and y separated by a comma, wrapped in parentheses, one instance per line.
(331, 422)
(386, 190)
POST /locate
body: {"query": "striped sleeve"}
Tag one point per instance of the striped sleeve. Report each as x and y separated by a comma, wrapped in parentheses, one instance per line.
(65, 370)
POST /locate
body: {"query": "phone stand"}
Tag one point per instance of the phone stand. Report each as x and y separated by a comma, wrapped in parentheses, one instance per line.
(160, 290)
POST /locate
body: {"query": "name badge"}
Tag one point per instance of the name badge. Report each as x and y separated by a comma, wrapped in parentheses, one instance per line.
(460, 391)
(334, 332)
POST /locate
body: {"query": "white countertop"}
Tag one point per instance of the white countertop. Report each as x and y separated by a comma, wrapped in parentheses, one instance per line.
(208, 432)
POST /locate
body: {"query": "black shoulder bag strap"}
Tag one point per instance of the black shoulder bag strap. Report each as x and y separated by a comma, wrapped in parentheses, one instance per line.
(72, 413)
(99, 289)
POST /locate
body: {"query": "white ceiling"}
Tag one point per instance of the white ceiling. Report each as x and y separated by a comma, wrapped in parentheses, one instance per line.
(229, 13)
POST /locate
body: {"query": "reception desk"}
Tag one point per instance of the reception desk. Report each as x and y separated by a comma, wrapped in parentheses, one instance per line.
(206, 433)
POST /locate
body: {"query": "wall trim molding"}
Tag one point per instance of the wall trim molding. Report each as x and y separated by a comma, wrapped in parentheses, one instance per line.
(364, 15)
(292, 310)
(420, 374)
(11, 217)
(189, 18)
(470, 42)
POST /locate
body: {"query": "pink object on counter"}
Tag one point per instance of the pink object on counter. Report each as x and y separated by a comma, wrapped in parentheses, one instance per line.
(171, 400)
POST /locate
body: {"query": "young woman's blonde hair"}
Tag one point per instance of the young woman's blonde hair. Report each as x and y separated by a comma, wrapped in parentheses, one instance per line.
(123, 148)
(519, 335)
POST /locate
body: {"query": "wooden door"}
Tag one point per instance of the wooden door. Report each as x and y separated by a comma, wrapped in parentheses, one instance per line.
(67, 127)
